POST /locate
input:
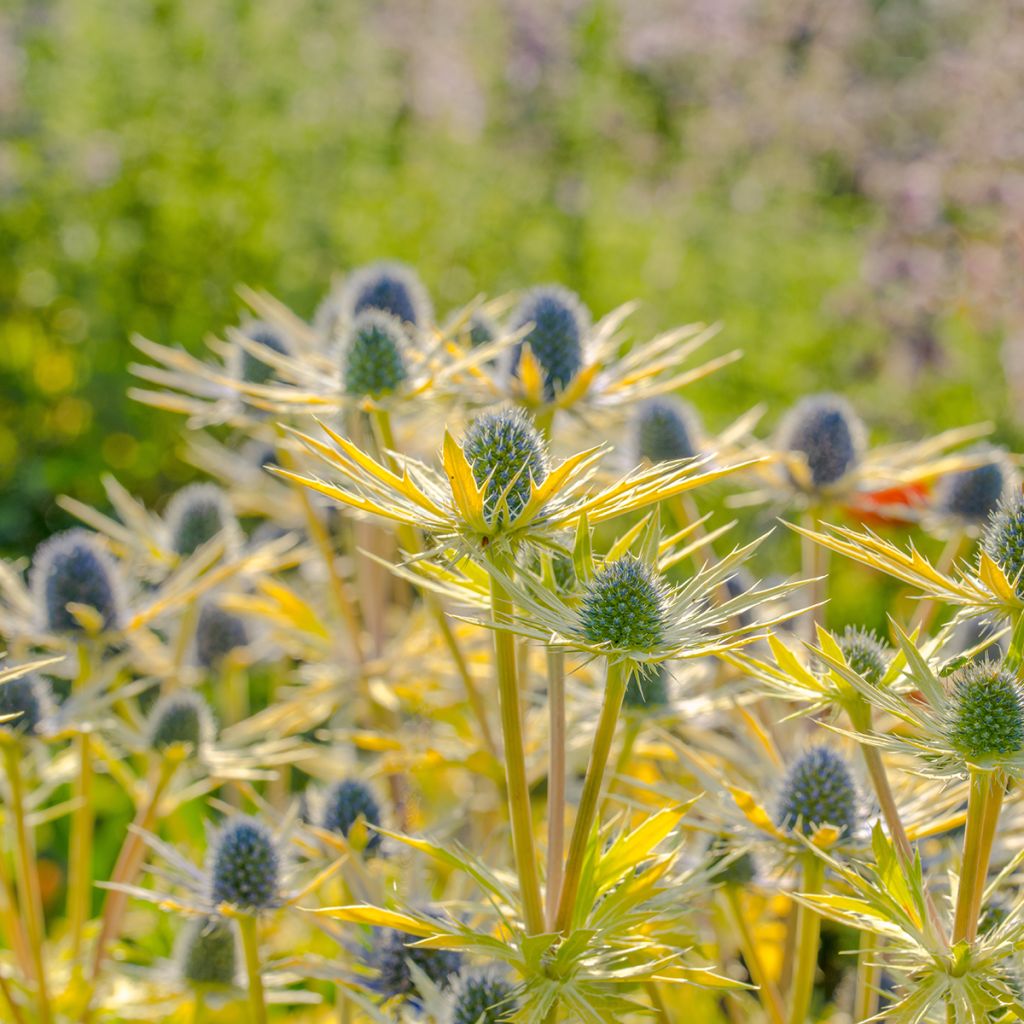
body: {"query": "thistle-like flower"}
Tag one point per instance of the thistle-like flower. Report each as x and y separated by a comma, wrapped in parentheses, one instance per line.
(219, 633)
(986, 712)
(818, 791)
(390, 955)
(624, 606)
(972, 495)
(373, 363)
(198, 513)
(350, 801)
(829, 436)
(482, 328)
(250, 367)
(389, 287)
(665, 429)
(30, 699)
(207, 953)
(557, 323)
(866, 653)
(71, 574)
(182, 717)
(481, 996)
(245, 866)
(1003, 541)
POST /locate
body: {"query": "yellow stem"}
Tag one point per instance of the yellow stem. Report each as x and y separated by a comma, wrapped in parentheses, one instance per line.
(866, 996)
(983, 805)
(556, 780)
(249, 928)
(808, 932)
(80, 859)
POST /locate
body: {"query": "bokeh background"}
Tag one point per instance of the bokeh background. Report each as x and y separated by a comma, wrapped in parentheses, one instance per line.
(841, 184)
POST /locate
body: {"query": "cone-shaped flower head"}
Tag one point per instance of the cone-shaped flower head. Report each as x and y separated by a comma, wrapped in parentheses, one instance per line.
(865, 653)
(726, 867)
(972, 495)
(250, 367)
(31, 699)
(218, 633)
(389, 287)
(208, 952)
(560, 322)
(647, 688)
(505, 451)
(986, 711)
(1003, 540)
(71, 568)
(196, 514)
(624, 606)
(180, 718)
(482, 996)
(347, 802)
(373, 362)
(829, 434)
(819, 790)
(390, 956)
(665, 429)
(245, 866)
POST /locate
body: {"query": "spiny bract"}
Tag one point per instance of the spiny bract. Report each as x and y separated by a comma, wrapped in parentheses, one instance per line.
(818, 790)
(31, 699)
(373, 362)
(482, 996)
(1003, 540)
(505, 451)
(348, 801)
(390, 287)
(180, 718)
(829, 434)
(559, 323)
(71, 568)
(986, 712)
(208, 952)
(972, 494)
(665, 429)
(865, 652)
(245, 865)
(647, 688)
(195, 515)
(218, 633)
(624, 606)
(251, 368)
(389, 958)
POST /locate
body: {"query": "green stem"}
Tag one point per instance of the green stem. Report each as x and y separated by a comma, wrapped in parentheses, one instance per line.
(249, 928)
(556, 779)
(28, 878)
(808, 932)
(80, 853)
(815, 559)
(983, 805)
(586, 813)
(865, 999)
(767, 989)
(515, 762)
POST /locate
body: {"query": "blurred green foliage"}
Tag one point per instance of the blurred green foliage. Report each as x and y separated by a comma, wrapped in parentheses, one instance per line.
(156, 154)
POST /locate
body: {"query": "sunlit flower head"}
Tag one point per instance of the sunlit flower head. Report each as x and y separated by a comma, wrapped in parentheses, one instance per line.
(986, 712)
(865, 652)
(390, 955)
(388, 287)
(481, 996)
(665, 429)
(1003, 540)
(30, 699)
(196, 514)
(373, 359)
(818, 790)
(972, 495)
(180, 718)
(555, 324)
(348, 802)
(219, 633)
(266, 339)
(207, 953)
(245, 865)
(828, 438)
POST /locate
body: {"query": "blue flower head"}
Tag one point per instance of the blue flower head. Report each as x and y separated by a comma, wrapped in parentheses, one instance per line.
(207, 953)
(819, 790)
(865, 653)
(482, 996)
(196, 514)
(1003, 539)
(389, 957)
(828, 433)
(218, 633)
(666, 429)
(347, 802)
(182, 717)
(389, 287)
(972, 495)
(986, 711)
(31, 699)
(624, 606)
(373, 360)
(251, 368)
(245, 865)
(505, 451)
(559, 324)
(72, 568)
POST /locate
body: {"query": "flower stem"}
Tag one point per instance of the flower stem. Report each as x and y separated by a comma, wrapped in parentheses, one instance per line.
(80, 858)
(515, 762)
(808, 933)
(28, 878)
(767, 989)
(586, 813)
(556, 780)
(815, 558)
(984, 803)
(865, 999)
(249, 928)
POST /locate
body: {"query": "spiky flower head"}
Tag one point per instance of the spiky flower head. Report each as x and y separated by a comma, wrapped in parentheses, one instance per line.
(1003, 539)
(818, 790)
(72, 568)
(986, 711)
(624, 606)
(196, 514)
(207, 952)
(389, 287)
(727, 866)
(31, 699)
(390, 955)
(865, 652)
(482, 996)
(559, 324)
(245, 866)
(347, 802)
(483, 328)
(647, 689)
(665, 429)
(373, 360)
(218, 633)
(180, 718)
(251, 368)
(828, 433)
(505, 451)
(972, 494)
